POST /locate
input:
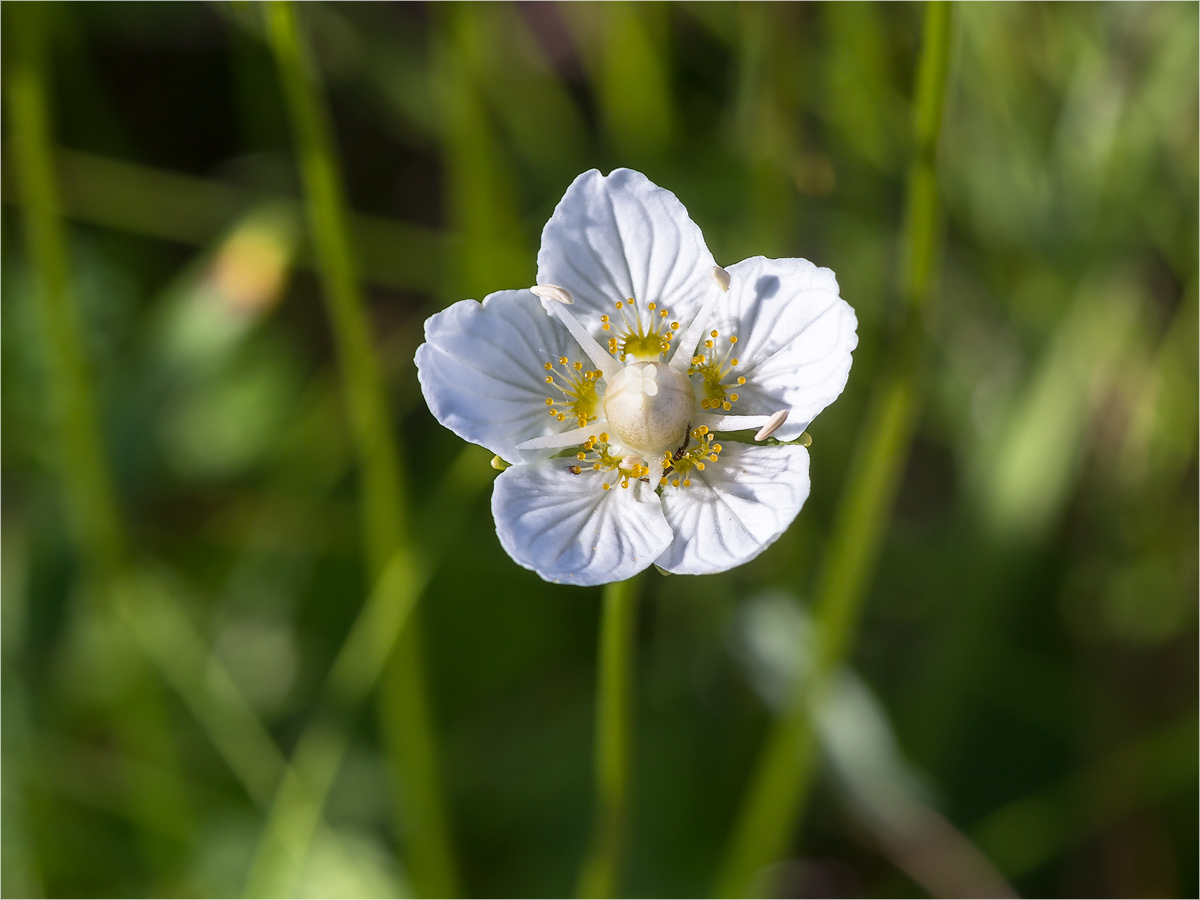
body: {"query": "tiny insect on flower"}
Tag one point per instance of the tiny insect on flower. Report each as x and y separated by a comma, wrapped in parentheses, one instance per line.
(620, 369)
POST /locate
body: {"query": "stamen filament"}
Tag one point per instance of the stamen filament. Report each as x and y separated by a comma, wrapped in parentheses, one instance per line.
(690, 338)
(572, 438)
(607, 364)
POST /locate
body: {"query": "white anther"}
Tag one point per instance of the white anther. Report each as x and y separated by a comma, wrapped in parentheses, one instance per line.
(554, 292)
(721, 277)
(773, 425)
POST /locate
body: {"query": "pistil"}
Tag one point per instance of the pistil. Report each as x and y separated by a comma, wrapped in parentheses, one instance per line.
(649, 406)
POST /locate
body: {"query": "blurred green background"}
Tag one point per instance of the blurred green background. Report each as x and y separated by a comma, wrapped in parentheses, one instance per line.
(1023, 685)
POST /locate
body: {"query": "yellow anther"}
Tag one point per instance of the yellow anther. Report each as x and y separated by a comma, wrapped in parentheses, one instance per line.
(675, 482)
(580, 455)
(741, 379)
(548, 366)
(549, 402)
(604, 437)
(550, 380)
(607, 485)
(714, 334)
(575, 470)
(733, 339)
(726, 406)
(733, 398)
(562, 360)
(687, 482)
(700, 465)
(733, 362)
(674, 326)
(651, 306)
(712, 457)
(708, 344)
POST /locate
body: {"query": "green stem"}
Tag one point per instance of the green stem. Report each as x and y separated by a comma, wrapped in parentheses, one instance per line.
(775, 798)
(614, 726)
(385, 529)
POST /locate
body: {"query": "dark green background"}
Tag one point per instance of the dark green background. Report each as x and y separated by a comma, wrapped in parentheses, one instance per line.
(1031, 628)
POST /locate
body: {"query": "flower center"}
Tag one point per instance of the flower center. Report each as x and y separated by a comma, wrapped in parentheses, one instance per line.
(649, 406)
(639, 337)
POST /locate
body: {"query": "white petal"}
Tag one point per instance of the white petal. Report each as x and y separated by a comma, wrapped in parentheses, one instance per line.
(567, 528)
(482, 371)
(735, 508)
(795, 335)
(621, 236)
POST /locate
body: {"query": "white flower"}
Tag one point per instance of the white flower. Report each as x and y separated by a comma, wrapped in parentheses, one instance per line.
(609, 384)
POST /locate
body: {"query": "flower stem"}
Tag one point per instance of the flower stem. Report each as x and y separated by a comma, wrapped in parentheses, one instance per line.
(396, 655)
(614, 728)
(775, 798)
